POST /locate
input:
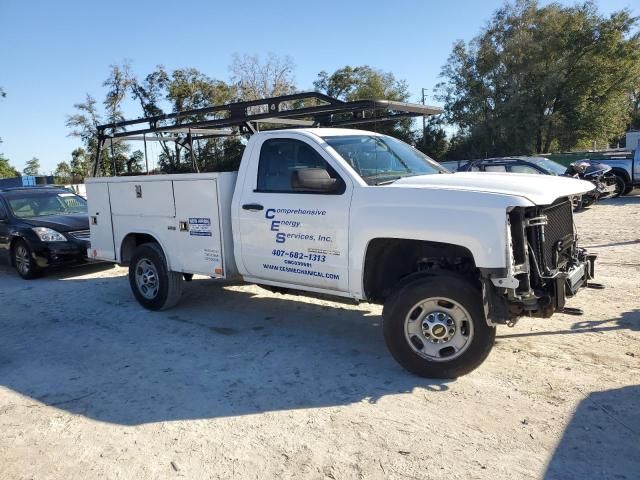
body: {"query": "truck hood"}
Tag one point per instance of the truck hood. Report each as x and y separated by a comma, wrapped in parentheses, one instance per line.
(539, 189)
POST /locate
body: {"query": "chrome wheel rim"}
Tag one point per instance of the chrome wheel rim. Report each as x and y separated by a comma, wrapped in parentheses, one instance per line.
(23, 262)
(147, 279)
(438, 329)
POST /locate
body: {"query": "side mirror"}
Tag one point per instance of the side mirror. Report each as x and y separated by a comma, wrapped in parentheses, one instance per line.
(314, 180)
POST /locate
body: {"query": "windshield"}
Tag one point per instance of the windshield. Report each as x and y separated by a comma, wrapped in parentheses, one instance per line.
(554, 167)
(382, 159)
(26, 204)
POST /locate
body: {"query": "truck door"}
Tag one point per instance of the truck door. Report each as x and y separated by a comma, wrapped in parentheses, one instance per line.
(291, 233)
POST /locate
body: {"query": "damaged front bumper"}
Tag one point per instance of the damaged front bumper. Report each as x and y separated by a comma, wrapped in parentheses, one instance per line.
(547, 266)
(567, 284)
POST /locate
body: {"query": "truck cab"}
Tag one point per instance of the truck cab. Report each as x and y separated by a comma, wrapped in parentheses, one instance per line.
(360, 215)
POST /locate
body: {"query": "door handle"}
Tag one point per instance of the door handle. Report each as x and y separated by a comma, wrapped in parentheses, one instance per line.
(252, 206)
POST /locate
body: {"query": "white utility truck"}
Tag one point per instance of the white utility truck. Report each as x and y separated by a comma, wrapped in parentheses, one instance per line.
(350, 213)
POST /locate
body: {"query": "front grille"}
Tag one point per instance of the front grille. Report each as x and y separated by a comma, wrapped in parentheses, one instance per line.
(554, 241)
(81, 234)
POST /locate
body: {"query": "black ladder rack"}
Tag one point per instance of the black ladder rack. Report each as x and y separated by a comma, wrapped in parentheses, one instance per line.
(308, 109)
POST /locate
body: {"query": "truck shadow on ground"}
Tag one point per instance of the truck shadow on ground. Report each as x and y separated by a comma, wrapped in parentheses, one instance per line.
(627, 321)
(90, 349)
(602, 440)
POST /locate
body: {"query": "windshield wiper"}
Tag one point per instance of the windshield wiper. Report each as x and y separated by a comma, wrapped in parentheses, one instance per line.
(390, 181)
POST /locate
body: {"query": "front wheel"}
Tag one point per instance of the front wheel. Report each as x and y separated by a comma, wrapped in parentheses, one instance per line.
(153, 285)
(23, 261)
(435, 326)
(620, 186)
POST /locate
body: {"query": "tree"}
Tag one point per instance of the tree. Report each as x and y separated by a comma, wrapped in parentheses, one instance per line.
(433, 141)
(134, 163)
(256, 79)
(364, 82)
(32, 167)
(6, 169)
(62, 173)
(83, 125)
(634, 122)
(538, 78)
(80, 164)
(182, 89)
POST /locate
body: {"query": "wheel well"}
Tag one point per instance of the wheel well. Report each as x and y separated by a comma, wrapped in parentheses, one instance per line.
(389, 260)
(130, 242)
(622, 173)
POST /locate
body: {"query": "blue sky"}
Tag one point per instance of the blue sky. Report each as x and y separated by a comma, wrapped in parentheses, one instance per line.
(52, 53)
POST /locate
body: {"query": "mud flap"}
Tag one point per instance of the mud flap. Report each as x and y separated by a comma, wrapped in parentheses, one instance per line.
(496, 308)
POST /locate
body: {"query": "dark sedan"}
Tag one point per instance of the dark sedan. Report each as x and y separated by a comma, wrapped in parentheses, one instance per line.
(535, 165)
(42, 227)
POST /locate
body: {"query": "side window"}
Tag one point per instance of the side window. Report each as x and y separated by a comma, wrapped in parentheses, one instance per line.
(522, 168)
(3, 212)
(280, 160)
(495, 168)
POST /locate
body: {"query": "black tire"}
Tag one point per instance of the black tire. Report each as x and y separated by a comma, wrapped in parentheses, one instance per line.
(621, 186)
(627, 190)
(23, 261)
(167, 291)
(587, 201)
(453, 287)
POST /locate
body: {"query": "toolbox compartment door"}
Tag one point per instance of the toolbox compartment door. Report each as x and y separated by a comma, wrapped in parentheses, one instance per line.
(142, 199)
(199, 243)
(100, 224)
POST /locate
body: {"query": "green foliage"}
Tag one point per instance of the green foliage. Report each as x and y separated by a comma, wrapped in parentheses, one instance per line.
(135, 163)
(83, 125)
(363, 83)
(434, 140)
(80, 164)
(163, 91)
(32, 167)
(62, 173)
(538, 78)
(634, 101)
(6, 169)
(182, 89)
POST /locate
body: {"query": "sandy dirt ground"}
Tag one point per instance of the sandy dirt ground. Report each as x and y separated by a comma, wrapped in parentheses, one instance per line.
(237, 382)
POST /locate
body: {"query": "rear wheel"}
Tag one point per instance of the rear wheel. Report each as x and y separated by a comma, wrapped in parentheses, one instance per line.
(24, 262)
(435, 327)
(153, 285)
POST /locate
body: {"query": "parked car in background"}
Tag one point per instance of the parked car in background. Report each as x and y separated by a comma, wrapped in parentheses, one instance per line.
(535, 165)
(627, 169)
(453, 165)
(606, 183)
(42, 227)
